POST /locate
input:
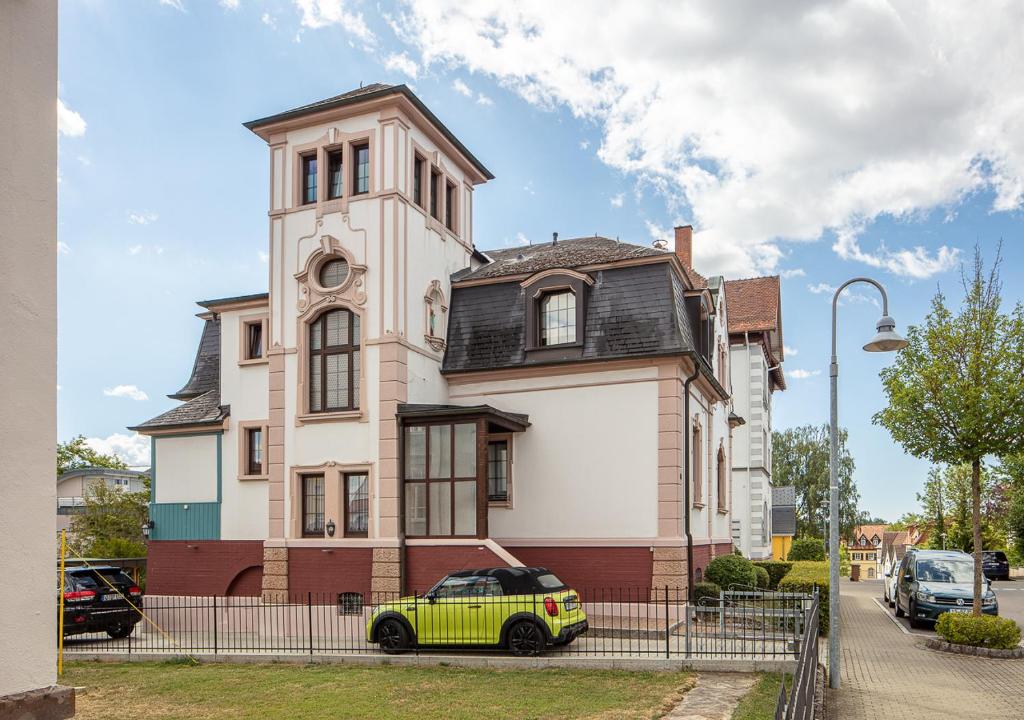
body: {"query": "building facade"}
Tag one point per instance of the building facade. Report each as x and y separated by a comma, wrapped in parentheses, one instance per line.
(866, 551)
(756, 355)
(75, 485)
(400, 405)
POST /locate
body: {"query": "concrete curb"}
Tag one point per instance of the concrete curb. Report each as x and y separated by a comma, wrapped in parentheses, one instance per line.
(941, 645)
(468, 661)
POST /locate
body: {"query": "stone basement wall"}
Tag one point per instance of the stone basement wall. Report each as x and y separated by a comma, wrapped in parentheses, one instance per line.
(669, 571)
(385, 574)
(275, 574)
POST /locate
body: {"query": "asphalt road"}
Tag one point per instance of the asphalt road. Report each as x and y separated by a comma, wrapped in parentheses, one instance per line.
(1009, 592)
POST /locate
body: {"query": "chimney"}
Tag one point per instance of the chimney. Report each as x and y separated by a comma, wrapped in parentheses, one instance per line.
(684, 244)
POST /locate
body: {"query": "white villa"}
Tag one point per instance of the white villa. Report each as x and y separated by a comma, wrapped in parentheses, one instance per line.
(402, 404)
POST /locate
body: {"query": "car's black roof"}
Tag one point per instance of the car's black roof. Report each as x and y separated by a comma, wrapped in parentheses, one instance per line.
(512, 579)
(939, 553)
(83, 568)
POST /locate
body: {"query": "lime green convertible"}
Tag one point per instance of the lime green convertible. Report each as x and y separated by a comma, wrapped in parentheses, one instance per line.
(521, 609)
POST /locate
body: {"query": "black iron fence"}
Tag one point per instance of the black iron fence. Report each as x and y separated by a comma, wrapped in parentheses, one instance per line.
(799, 703)
(624, 622)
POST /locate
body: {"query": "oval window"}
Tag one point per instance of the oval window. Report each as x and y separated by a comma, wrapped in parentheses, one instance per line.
(333, 273)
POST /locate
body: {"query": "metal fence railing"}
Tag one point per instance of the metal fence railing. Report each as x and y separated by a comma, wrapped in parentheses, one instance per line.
(799, 703)
(621, 622)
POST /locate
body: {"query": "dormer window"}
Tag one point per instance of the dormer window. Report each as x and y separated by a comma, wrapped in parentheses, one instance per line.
(558, 318)
(309, 178)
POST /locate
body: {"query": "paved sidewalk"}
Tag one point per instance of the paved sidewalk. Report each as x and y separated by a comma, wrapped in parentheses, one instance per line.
(714, 697)
(890, 674)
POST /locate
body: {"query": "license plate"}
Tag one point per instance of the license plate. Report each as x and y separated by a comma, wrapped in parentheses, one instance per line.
(110, 598)
(960, 610)
(571, 603)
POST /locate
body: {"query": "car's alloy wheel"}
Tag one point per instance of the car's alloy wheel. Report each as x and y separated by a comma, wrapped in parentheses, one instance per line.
(392, 637)
(525, 639)
(120, 631)
(912, 612)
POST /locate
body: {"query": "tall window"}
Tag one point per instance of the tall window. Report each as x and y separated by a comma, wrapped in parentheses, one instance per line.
(254, 340)
(334, 362)
(361, 176)
(357, 504)
(497, 470)
(254, 451)
(435, 181)
(449, 206)
(697, 464)
(440, 480)
(309, 179)
(417, 181)
(312, 505)
(720, 469)
(558, 318)
(335, 176)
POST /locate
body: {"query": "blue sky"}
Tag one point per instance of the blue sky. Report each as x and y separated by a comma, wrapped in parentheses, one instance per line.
(821, 144)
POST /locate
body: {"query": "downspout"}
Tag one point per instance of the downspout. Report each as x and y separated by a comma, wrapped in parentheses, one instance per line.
(686, 480)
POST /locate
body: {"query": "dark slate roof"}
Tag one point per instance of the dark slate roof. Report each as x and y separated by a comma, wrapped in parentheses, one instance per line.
(784, 495)
(570, 253)
(203, 410)
(206, 368)
(234, 299)
(512, 421)
(631, 311)
(371, 92)
(784, 520)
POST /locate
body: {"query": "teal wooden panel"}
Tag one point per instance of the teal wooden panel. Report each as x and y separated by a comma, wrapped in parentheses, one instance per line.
(172, 521)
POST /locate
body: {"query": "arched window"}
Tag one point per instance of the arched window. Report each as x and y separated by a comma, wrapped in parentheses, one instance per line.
(697, 463)
(334, 362)
(720, 468)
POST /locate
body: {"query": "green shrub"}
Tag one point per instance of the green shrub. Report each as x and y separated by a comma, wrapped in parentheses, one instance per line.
(761, 579)
(728, 570)
(807, 549)
(805, 577)
(776, 570)
(705, 590)
(987, 631)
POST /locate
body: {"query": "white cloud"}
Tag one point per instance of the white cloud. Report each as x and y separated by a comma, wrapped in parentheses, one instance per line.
(128, 391)
(134, 249)
(400, 62)
(521, 239)
(323, 13)
(792, 273)
(657, 232)
(176, 4)
(144, 217)
(528, 188)
(849, 294)
(821, 288)
(133, 449)
(63, 248)
(264, 256)
(229, 4)
(768, 124)
(790, 351)
(617, 200)
(482, 99)
(584, 144)
(268, 20)
(799, 374)
(69, 122)
(462, 88)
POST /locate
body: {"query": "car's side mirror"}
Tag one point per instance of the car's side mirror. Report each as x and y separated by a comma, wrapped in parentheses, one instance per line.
(887, 574)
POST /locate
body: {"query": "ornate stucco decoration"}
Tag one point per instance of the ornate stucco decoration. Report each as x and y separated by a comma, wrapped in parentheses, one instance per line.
(312, 293)
(435, 316)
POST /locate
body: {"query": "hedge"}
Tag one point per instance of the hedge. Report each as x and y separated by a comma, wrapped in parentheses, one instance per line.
(776, 569)
(705, 590)
(807, 549)
(728, 570)
(805, 577)
(988, 631)
(761, 578)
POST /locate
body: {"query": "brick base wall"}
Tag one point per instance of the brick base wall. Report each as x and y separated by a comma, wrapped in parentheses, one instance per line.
(329, 571)
(426, 564)
(592, 567)
(204, 567)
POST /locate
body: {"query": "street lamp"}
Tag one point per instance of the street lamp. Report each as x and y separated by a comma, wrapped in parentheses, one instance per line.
(885, 340)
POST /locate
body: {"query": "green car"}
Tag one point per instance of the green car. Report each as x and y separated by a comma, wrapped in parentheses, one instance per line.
(521, 609)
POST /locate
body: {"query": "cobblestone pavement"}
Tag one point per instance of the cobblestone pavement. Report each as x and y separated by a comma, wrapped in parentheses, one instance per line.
(890, 674)
(714, 697)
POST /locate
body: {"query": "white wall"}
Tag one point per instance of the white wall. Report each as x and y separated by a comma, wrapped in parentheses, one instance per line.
(28, 355)
(186, 469)
(587, 467)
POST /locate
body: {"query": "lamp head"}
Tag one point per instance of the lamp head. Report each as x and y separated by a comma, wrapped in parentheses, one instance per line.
(886, 339)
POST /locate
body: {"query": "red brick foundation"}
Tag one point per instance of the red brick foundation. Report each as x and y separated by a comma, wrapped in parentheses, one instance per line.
(205, 567)
(329, 571)
(592, 568)
(426, 564)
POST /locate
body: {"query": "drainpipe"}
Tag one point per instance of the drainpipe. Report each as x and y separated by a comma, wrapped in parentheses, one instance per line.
(686, 479)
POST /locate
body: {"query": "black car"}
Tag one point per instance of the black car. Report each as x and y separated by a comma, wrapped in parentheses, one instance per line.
(995, 565)
(91, 605)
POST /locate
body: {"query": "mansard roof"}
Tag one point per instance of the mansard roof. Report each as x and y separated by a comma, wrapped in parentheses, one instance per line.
(206, 368)
(202, 410)
(364, 94)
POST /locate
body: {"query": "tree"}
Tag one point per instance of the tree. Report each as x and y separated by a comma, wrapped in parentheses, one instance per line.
(933, 502)
(110, 524)
(800, 459)
(955, 391)
(906, 521)
(75, 454)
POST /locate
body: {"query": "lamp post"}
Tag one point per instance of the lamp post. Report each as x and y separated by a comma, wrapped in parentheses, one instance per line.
(885, 340)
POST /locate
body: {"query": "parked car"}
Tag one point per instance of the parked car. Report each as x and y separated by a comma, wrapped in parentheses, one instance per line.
(932, 582)
(995, 565)
(889, 583)
(520, 609)
(92, 605)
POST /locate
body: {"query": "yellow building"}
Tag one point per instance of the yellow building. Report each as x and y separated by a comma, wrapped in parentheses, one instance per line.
(783, 521)
(865, 551)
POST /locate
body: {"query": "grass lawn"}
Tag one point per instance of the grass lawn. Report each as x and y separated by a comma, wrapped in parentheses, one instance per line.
(196, 692)
(759, 703)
